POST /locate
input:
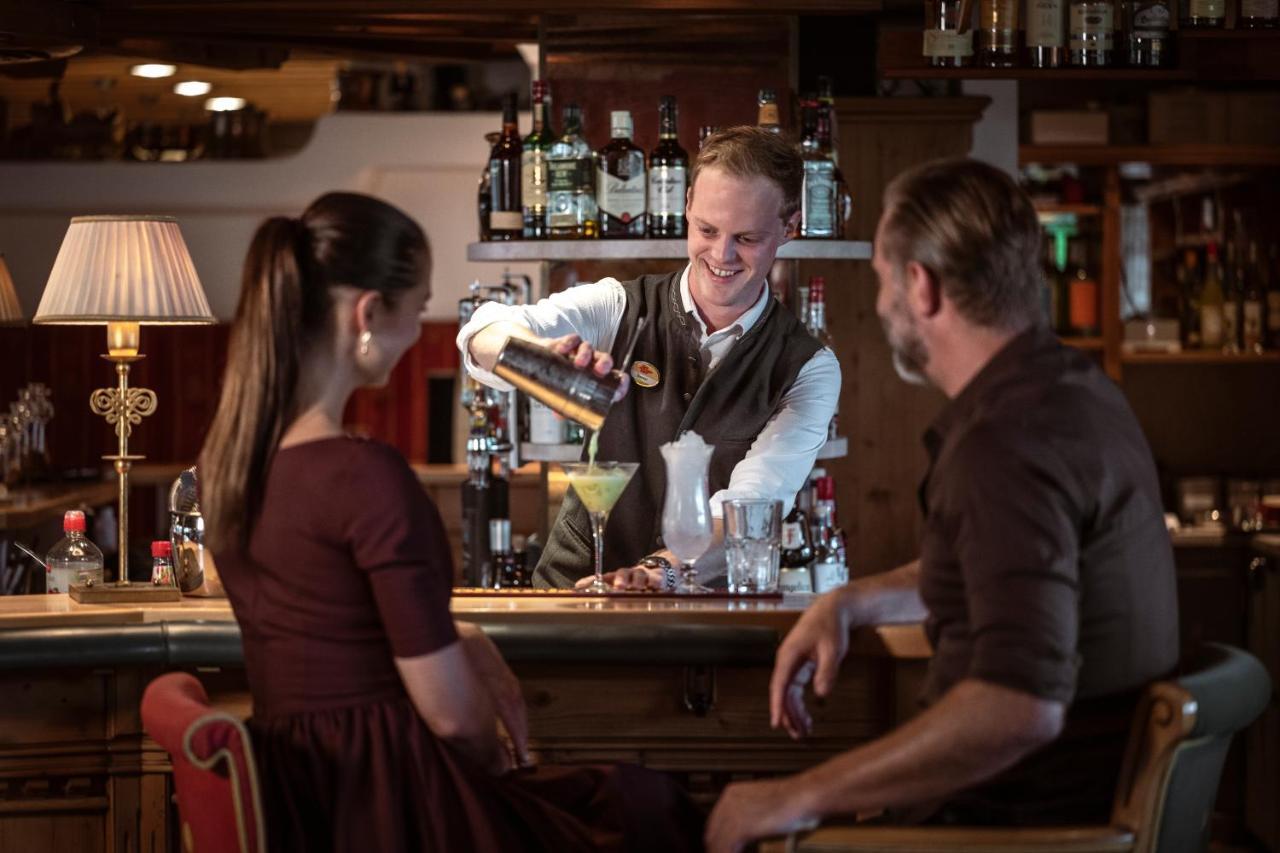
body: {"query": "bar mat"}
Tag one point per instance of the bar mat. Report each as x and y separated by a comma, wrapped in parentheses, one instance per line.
(481, 592)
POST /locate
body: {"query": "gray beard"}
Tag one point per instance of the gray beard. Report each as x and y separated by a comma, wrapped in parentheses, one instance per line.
(907, 371)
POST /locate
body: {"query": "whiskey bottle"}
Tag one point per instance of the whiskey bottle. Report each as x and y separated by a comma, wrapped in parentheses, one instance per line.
(1211, 300)
(818, 197)
(1255, 14)
(1233, 285)
(1251, 308)
(826, 145)
(1092, 33)
(484, 202)
(767, 111)
(668, 176)
(1150, 44)
(948, 40)
(829, 570)
(533, 168)
(506, 213)
(1203, 14)
(620, 182)
(998, 33)
(1046, 33)
(797, 553)
(571, 189)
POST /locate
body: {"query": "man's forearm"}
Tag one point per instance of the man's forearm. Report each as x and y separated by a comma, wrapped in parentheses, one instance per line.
(887, 597)
(485, 344)
(974, 732)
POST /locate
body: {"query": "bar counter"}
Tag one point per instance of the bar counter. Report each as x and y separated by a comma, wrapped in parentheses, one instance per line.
(671, 683)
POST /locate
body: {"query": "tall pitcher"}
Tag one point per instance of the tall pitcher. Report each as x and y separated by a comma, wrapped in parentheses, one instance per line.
(686, 510)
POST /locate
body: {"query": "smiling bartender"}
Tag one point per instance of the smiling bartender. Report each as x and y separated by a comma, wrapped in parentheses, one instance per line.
(718, 355)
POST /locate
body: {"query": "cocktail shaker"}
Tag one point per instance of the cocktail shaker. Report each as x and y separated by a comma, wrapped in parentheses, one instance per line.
(553, 380)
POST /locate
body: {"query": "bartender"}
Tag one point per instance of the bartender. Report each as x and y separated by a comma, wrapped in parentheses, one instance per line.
(717, 355)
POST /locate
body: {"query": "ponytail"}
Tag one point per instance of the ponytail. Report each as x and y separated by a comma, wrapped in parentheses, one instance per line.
(258, 386)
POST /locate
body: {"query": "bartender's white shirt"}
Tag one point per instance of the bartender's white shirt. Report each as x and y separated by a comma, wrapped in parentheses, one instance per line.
(781, 456)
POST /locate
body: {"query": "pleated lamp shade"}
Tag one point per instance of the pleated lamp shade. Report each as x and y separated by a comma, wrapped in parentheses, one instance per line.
(123, 269)
(10, 308)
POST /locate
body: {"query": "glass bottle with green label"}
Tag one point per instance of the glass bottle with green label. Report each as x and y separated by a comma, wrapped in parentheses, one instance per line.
(1093, 24)
(571, 189)
(533, 168)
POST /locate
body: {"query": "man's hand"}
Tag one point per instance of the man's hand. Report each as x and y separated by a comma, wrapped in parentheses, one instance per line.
(633, 578)
(585, 356)
(503, 686)
(812, 650)
(748, 811)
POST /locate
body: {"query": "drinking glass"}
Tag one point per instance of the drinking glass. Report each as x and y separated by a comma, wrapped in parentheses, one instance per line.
(686, 510)
(599, 485)
(753, 536)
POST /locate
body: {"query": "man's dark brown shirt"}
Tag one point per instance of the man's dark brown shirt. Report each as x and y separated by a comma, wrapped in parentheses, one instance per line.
(1046, 567)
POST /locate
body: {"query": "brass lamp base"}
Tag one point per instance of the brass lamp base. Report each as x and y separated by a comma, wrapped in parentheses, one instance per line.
(123, 593)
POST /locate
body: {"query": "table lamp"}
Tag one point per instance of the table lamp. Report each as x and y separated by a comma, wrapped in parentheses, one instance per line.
(123, 272)
(10, 307)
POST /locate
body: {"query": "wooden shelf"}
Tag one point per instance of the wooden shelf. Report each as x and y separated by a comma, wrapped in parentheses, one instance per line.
(1083, 343)
(594, 250)
(1199, 357)
(1076, 209)
(1159, 155)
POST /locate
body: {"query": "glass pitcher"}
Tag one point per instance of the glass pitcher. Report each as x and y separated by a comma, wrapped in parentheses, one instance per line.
(686, 510)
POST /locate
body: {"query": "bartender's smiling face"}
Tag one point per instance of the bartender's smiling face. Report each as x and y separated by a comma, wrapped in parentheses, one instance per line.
(734, 235)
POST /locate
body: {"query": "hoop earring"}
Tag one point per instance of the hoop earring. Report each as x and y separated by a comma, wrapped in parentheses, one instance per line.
(365, 337)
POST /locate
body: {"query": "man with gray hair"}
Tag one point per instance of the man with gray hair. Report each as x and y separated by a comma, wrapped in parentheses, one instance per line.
(1045, 577)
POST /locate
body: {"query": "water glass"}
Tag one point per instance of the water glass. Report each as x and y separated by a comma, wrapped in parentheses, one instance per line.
(753, 543)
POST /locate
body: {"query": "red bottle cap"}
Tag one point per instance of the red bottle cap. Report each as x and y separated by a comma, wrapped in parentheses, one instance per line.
(826, 488)
(73, 520)
(162, 548)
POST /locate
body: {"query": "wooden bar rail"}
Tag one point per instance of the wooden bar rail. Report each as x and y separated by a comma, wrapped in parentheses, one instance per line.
(669, 683)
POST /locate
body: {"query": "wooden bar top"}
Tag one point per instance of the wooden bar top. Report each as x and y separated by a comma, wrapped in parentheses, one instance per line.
(898, 641)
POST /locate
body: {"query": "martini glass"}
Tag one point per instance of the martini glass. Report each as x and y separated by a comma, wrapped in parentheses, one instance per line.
(599, 485)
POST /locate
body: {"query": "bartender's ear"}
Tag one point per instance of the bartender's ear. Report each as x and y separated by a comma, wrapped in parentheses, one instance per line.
(366, 305)
(790, 227)
(924, 289)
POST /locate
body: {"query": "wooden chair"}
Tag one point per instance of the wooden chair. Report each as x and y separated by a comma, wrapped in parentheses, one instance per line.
(213, 767)
(1167, 786)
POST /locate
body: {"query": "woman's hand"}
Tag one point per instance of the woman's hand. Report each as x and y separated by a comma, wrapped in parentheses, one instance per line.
(503, 687)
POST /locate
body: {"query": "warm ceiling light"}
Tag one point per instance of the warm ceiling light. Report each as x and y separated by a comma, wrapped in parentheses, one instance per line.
(153, 70)
(224, 105)
(192, 88)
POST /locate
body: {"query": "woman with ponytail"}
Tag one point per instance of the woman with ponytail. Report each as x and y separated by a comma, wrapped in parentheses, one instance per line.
(379, 723)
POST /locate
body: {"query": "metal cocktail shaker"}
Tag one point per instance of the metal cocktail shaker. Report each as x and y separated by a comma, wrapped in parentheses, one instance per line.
(552, 379)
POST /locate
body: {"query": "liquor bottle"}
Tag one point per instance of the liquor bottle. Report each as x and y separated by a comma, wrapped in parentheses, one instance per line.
(506, 214)
(74, 559)
(797, 553)
(1189, 291)
(668, 176)
(829, 570)
(1150, 43)
(703, 132)
(1092, 33)
(1203, 14)
(1082, 294)
(767, 111)
(1233, 285)
(826, 145)
(1211, 299)
(162, 563)
(483, 201)
(620, 181)
(1255, 14)
(503, 573)
(827, 113)
(818, 197)
(1046, 33)
(1273, 300)
(948, 40)
(1251, 308)
(817, 325)
(998, 33)
(571, 189)
(533, 168)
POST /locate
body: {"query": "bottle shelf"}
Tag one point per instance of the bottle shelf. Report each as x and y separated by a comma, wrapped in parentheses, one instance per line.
(1053, 209)
(1200, 357)
(596, 250)
(836, 448)
(530, 452)
(1157, 155)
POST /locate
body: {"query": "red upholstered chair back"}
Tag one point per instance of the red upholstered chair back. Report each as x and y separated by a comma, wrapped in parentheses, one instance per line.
(213, 767)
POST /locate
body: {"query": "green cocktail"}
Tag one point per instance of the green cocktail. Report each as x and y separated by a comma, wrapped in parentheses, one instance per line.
(599, 485)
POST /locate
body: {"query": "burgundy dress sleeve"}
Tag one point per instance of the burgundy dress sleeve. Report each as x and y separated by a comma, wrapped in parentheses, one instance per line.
(396, 536)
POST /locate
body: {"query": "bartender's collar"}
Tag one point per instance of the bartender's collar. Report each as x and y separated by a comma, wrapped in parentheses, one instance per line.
(740, 326)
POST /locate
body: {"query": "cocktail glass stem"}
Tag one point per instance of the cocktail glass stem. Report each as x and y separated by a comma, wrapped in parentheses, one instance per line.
(597, 534)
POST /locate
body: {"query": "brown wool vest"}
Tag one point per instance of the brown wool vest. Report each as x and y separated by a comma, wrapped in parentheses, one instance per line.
(728, 408)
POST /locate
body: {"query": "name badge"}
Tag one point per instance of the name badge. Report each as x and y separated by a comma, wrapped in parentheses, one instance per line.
(645, 374)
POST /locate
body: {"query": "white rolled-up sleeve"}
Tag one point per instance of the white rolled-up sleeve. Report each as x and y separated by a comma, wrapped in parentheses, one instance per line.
(591, 311)
(782, 456)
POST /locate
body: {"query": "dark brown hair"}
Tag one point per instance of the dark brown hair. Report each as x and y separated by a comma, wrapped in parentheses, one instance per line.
(285, 302)
(746, 152)
(970, 225)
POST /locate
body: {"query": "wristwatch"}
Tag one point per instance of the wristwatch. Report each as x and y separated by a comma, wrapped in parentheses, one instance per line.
(654, 561)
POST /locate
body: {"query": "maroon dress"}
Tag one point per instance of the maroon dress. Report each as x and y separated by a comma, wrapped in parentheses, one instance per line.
(348, 566)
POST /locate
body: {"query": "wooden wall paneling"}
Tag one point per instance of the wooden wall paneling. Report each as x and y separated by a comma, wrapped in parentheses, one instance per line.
(882, 416)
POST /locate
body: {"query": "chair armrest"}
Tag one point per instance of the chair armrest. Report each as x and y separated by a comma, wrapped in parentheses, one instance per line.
(910, 839)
